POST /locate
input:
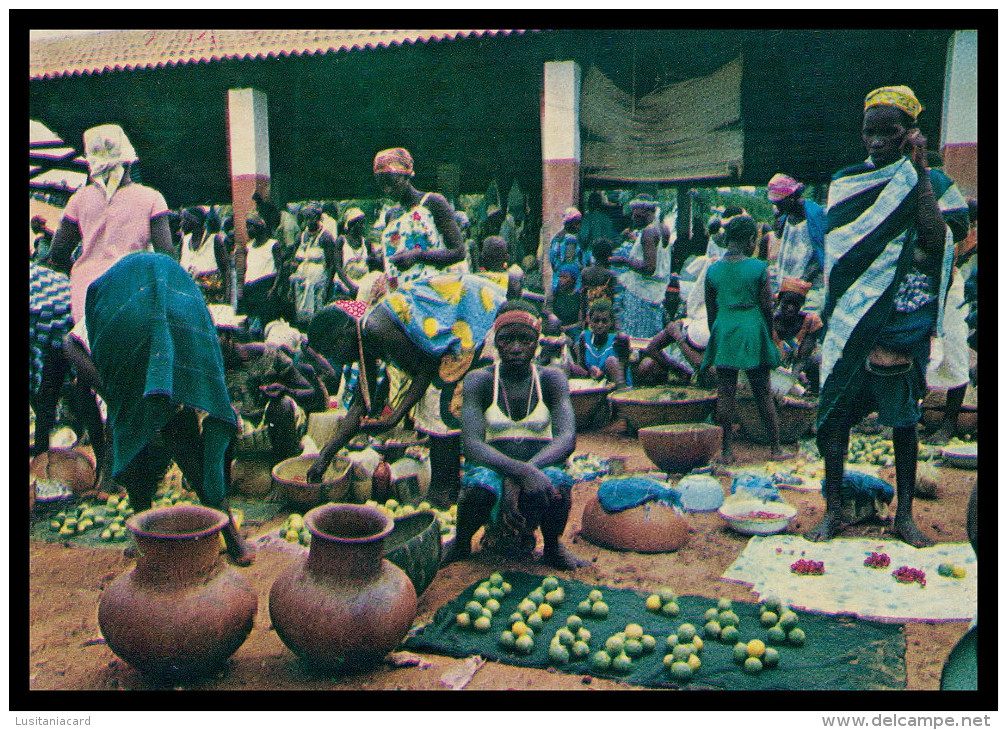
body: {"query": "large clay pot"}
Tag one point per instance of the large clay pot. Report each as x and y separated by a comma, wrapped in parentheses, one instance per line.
(795, 415)
(650, 528)
(344, 605)
(68, 466)
(680, 447)
(657, 405)
(182, 611)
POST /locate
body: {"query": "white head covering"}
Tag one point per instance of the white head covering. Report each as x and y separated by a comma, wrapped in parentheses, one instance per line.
(107, 150)
(280, 333)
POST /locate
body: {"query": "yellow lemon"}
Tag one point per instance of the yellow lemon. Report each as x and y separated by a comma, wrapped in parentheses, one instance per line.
(545, 610)
(694, 662)
(756, 648)
(654, 603)
(520, 628)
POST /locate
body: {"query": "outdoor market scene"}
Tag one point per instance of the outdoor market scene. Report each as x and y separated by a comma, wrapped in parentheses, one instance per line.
(619, 360)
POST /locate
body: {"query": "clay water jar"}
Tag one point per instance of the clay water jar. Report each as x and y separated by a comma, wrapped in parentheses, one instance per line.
(182, 611)
(650, 528)
(344, 605)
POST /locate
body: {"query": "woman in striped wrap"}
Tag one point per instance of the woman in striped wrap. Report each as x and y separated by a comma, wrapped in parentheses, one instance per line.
(892, 224)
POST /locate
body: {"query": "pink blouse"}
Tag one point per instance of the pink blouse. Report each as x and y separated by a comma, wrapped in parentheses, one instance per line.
(109, 231)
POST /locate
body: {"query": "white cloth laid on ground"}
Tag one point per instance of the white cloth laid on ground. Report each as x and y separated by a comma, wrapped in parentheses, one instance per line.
(850, 587)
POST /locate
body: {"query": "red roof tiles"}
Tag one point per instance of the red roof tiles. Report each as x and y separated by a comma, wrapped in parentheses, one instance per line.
(103, 51)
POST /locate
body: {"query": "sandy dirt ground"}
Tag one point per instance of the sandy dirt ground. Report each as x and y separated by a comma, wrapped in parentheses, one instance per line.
(66, 583)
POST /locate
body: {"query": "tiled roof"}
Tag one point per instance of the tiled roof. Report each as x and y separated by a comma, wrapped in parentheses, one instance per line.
(101, 51)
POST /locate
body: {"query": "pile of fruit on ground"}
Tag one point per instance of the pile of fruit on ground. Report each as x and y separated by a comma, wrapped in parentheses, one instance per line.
(662, 639)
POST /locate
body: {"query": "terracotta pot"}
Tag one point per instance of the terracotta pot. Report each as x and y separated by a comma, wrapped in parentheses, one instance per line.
(681, 447)
(291, 482)
(650, 528)
(70, 467)
(345, 605)
(656, 405)
(182, 611)
(796, 417)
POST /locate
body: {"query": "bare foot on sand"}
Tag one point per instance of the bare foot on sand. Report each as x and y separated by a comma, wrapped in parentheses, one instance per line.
(824, 530)
(562, 559)
(907, 531)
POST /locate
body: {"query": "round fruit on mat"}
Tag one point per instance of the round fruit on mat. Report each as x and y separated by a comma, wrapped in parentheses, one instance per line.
(565, 637)
(686, 632)
(463, 620)
(653, 603)
(580, 649)
(752, 665)
(482, 624)
(729, 634)
(724, 604)
(667, 595)
(711, 614)
(756, 648)
(584, 608)
(796, 637)
(599, 609)
(574, 622)
(776, 635)
(614, 646)
(507, 639)
(728, 618)
(594, 596)
(622, 664)
(559, 654)
(681, 671)
(649, 643)
(769, 619)
(524, 644)
(771, 658)
(740, 652)
(634, 631)
(545, 611)
(601, 661)
(633, 648)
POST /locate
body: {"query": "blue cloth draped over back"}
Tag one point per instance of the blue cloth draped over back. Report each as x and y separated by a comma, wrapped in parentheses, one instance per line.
(155, 346)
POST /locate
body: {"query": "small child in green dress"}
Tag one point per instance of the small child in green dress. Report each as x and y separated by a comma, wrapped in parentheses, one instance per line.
(739, 309)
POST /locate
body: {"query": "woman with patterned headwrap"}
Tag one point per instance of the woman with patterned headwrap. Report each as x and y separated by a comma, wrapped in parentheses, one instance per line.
(889, 246)
(431, 329)
(311, 282)
(421, 238)
(518, 432)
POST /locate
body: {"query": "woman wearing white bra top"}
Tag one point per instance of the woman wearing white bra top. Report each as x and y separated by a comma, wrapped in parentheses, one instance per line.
(517, 430)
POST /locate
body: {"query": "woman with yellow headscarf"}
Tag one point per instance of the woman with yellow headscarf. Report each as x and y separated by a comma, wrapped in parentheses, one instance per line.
(889, 245)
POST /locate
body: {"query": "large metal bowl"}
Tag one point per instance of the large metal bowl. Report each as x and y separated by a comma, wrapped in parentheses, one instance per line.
(657, 405)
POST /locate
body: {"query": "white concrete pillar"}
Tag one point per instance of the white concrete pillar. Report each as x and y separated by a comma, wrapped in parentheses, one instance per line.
(560, 150)
(248, 148)
(958, 126)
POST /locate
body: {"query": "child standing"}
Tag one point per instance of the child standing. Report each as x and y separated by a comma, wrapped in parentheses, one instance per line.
(599, 352)
(739, 310)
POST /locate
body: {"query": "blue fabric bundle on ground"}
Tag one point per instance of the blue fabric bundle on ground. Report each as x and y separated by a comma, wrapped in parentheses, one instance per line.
(622, 493)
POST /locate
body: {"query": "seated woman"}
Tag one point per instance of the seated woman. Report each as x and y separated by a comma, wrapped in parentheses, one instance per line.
(156, 363)
(514, 482)
(599, 352)
(796, 333)
(677, 350)
(271, 394)
(432, 330)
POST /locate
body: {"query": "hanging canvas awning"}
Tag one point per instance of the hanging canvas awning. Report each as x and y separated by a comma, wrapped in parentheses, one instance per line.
(687, 131)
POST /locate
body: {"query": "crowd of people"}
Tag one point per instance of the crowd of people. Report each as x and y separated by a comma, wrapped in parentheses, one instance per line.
(405, 314)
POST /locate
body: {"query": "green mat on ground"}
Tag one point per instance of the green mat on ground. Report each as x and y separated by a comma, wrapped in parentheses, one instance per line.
(838, 654)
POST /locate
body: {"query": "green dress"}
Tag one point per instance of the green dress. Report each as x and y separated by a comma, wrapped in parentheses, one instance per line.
(740, 337)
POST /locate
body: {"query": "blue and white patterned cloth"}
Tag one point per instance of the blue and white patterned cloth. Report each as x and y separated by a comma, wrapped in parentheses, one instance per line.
(49, 317)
